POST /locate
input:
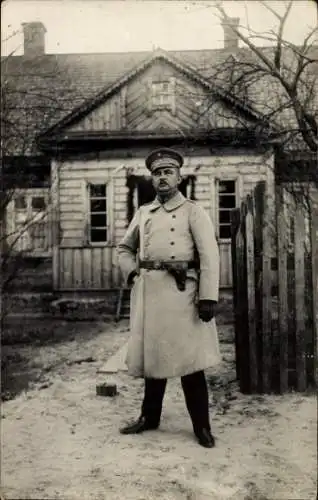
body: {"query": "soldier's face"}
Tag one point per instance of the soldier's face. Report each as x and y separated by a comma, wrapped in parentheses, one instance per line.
(166, 180)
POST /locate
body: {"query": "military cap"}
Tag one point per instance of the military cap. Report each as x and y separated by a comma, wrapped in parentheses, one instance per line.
(163, 157)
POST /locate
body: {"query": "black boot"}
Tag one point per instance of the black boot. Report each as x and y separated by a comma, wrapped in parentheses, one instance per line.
(197, 400)
(205, 438)
(139, 426)
(151, 407)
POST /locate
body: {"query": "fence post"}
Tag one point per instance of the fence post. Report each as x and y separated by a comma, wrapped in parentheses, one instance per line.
(300, 298)
(251, 303)
(282, 288)
(267, 238)
(314, 270)
(235, 224)
(242, 320)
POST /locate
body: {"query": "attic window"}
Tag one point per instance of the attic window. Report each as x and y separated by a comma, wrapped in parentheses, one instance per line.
(162, 94)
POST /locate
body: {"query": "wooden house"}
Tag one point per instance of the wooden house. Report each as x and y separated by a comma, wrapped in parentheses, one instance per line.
(112, 110)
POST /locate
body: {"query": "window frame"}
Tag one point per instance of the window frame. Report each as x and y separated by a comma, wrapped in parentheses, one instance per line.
(238, 195)
(170, 93)
(30, 217)
(109, 216)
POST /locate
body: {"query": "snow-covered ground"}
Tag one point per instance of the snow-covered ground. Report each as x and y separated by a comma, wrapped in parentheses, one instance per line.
(61, 441)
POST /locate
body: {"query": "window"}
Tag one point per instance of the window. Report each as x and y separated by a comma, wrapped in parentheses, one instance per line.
(226, 203)
(20, 203)
(38, 203)
(162, 95)
(29, 221)
(98, 216)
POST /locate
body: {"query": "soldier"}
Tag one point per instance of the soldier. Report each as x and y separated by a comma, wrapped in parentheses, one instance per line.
(169, 255)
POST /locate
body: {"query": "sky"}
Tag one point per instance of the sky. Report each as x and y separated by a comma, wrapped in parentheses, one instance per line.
(81, 26)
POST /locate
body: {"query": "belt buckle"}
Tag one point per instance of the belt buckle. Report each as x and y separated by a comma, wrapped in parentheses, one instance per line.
(157, 265)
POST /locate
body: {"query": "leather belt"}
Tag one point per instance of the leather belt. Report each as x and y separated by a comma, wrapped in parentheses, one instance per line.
(161, 265)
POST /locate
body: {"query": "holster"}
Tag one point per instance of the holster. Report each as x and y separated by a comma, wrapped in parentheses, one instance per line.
(179, 272)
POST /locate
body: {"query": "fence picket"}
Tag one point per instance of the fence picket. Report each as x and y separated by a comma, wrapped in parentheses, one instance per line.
(282, 250)
(242, 327)
(300, 298)
(314, 270)
(267, 294)
(250, 270)
(235, 224)
(263, 333)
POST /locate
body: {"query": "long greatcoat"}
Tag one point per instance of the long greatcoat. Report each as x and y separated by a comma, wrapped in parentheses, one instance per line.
(167, 337)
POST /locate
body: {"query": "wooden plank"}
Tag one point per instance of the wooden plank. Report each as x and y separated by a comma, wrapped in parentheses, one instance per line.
(87, 268)
(282, 251)
(241, 334)
(123, 101)
(235, 223)
(103, 270)
(267, 237)
(250, 271)
(67, 207)
(54, 218)
(314, 269)
(300, 298)
(225, 264)
(67, 268)
(106, 268)
(78, 267)
(71, 224)
(97, 254)
(72, 215)
(115, 276)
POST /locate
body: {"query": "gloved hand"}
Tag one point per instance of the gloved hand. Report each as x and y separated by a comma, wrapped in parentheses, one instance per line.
(131, 278)
(206, 310)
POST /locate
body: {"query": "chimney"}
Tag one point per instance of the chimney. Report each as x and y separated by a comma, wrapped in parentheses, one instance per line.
(230, 38)
(34, 39)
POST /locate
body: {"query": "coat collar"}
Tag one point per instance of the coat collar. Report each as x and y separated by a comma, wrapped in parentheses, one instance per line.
(170, 205)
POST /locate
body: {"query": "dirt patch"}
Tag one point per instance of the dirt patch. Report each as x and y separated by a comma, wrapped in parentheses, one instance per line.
(61, 441)
(33, 349)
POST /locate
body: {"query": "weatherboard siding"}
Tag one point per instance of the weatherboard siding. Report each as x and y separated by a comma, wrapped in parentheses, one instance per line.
(92, 268)
(130, 108)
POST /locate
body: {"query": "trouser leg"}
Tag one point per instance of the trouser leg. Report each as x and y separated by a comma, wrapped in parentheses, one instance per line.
(197, 399)
(153, 399)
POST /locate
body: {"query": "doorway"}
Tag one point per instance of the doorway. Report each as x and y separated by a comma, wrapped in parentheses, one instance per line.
(141, 191)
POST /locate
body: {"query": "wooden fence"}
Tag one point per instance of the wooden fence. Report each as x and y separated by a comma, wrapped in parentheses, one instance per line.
(275, 263)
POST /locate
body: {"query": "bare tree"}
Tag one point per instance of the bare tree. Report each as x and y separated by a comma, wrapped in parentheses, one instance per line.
(280, 80)
(35, 93)
(277, 81)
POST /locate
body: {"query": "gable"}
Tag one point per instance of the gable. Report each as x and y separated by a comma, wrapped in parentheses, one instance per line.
(128, 106)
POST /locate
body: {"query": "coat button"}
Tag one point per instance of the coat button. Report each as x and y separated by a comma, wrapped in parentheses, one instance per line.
(172, 229)
(172, 257)
(174, 216)
(172, 243)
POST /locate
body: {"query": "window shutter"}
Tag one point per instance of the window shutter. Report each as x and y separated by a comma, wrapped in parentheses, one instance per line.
(172, 92)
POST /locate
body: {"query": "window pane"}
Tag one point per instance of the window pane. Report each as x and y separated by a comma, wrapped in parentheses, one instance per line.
(98, 205)
(20, 203)
(227, 187)
(98, 235)
(225, 216)
(227, 201)
(98, 220)
(98, 190)
(38, 203)
(225, 232)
